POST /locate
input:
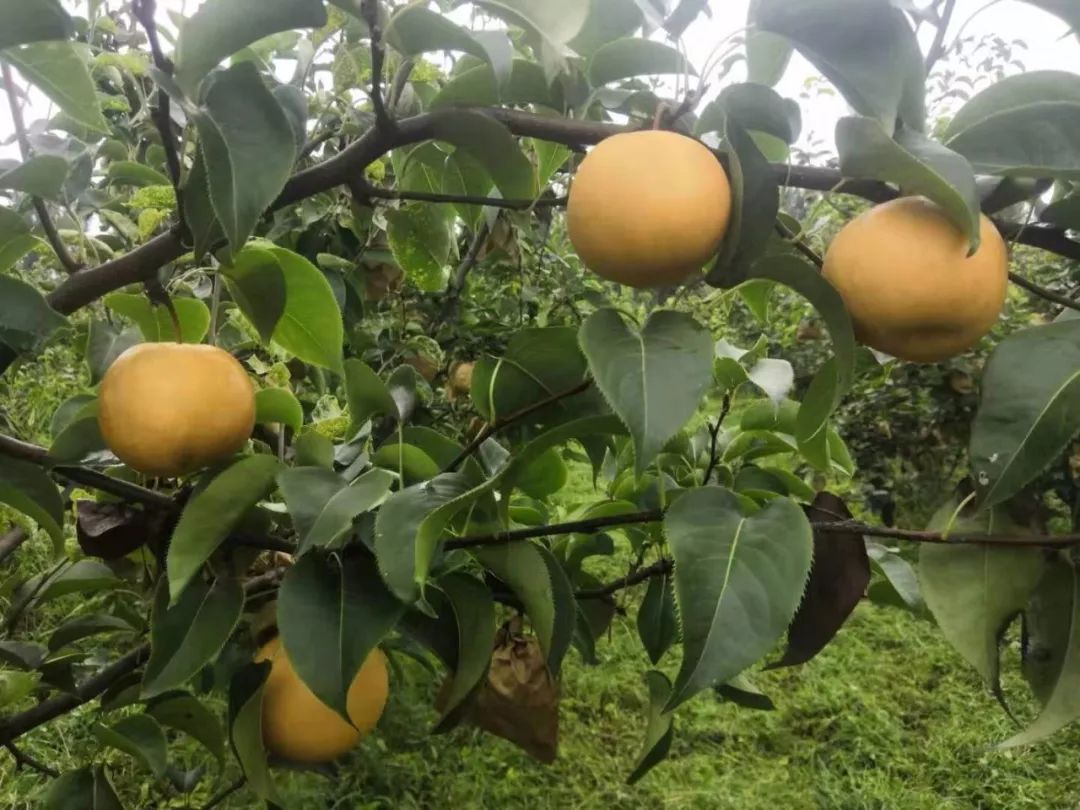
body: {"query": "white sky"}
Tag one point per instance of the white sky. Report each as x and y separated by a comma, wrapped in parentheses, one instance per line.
(1049, 46)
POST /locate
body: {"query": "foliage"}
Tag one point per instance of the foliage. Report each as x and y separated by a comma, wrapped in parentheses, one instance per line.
(369, 194)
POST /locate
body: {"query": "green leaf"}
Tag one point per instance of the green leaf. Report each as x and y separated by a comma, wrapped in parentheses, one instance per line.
(1028, 412)
(915, 163)
(1022, 126)
(537, 363)
(80, 437)
(28, 489)
(321, 521)
(544, 476)
(212, 513)
(59, 70)
(633, 56)
(278, 406)
(421, 241)
(767, 54)
(474, 615)
(16, 240)
(130, 173)
(1048, 622)
(657, 623)
(975, 591)
(83, 576)
(33, 21)
(140, 737)
(104, 343)
(206, 231)
(738, 581)
(248, 147)
(222, 27)
(754, 205)
(866, 48)
(898, 584)
(16, 687)
(835, 376)
(414, 30)
(409, 526)
(655, 379)
(490, 143)
(245, 728)
(256, 282)
(556, 22)
(755, 107)
(332, 613)
(607, 21)
(1063, 704)
(180, 711)
(40, 176)
(310, 326)
(84, 789)
(156, 323)
(26, 319)
(189, 634)
(82, 627)
(479, 86)
(366, 393)
(660, 729)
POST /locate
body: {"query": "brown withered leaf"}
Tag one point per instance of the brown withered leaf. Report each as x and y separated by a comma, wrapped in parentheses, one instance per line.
(838, 580)
(109, 531)
(519, 700)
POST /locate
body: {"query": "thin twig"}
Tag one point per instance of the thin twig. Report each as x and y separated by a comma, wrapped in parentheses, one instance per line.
(937, 49)
(457, 282)
(67, 262)
(587, 526)
(370, 11)
(225, 793)
(500, 423)
(469, 199)
(661, 567)
(314, 143)
(23, 759)
(11, 541)
(714, 432)
(799, 244)
(1042, 292)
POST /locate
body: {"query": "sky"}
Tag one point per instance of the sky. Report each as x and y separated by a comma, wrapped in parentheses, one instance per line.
(1049, 47)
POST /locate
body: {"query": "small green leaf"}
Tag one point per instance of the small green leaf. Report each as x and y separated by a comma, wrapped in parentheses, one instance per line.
(1028, 412)
(26, 319)
(222, 27)
(189, 634)
(738, 581)
(323, 507)
(212, 513)
(491, 144)
(16, 240)
(654, 379)
(247, 144)
(756, 108)
(84, 789)
(660, 728)
(657, 624)
(366, 393)
(479, 86)
(310, 327)
(206, 231)
(33, 21)
(415, 29)
(180, 711)
(28, 489)
(332, 613)
(632, 56)
(915, 163)
(16, 687)
(130, 173)
(40, 176)
(312, 449)
(104, 343)
(420, 239)
(156, 323)
(245, 728)
(82, 576)
(139, 736)
(59, 70)
(86, 626)
(256, 283)
(556, 22)
(474, 615)
(278, 406)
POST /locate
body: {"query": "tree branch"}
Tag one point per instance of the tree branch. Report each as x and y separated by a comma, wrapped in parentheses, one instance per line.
(23, 759)
(714, 433)
(470, 199)
(58, 246)
(1042, 292)
(937, 49)
(370, 11)
(225, 793)
(144, 13)
(457, 281)
(661, 567)
(144, 261)
(10, 542)
(493, 428)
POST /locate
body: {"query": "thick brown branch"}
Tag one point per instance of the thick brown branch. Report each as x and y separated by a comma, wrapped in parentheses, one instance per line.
(58, 246)
(510, 419)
